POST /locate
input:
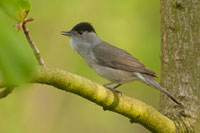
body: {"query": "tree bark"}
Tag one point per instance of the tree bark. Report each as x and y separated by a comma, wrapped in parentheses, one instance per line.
(180, 57)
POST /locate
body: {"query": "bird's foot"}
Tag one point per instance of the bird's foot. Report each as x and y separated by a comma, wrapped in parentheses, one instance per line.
(113, 89)
(119, 92)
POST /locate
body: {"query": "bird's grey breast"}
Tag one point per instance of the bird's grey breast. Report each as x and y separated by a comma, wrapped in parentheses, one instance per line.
(88, 57)
(78, 45)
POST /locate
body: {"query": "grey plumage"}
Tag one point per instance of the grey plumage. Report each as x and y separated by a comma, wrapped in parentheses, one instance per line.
(110, 62)
(119, 59)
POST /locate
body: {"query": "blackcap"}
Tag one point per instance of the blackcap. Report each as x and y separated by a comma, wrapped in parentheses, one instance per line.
(110, 62)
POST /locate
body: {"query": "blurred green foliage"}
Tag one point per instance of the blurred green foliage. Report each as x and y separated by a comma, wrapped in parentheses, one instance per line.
(133, 25)
(17, 62)
(15, 8)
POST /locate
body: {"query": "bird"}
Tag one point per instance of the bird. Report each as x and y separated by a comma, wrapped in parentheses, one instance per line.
(110, 62)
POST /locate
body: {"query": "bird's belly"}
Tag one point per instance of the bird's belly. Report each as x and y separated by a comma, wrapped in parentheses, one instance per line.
(107, 72)
(114, 74)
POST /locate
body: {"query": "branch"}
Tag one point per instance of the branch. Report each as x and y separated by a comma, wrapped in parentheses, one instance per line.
(134, 109)
(31, 42)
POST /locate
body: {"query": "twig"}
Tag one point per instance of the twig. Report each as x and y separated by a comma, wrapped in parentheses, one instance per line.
(31, 42)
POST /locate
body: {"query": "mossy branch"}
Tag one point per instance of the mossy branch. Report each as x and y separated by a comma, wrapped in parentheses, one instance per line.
(134, 109)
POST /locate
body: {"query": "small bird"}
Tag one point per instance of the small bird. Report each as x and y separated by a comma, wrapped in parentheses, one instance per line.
(110, 62)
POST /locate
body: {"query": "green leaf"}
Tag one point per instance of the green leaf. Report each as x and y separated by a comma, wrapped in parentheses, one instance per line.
(25, 4)
(17, 9)
(17, 62)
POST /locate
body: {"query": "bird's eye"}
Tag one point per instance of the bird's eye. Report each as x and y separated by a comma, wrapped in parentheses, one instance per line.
(80, 32)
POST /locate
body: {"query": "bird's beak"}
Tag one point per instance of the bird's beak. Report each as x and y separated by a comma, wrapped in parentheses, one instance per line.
(67, 33)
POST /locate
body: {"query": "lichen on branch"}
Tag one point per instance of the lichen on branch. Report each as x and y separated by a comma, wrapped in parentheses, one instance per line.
(134, 109)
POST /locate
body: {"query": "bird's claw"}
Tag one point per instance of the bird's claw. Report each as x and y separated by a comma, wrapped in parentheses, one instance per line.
(113, 90)
(119, 92)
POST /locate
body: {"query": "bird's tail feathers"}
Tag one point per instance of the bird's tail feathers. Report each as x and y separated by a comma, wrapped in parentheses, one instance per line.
(152, 82)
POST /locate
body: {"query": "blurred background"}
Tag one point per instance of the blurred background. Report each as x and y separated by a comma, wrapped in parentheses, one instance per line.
(133, 25)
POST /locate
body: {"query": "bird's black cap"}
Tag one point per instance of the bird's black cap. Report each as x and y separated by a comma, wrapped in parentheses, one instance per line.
(83, 26)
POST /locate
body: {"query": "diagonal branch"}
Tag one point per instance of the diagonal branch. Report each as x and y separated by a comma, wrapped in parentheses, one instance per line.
(31, 42)
(134, 109)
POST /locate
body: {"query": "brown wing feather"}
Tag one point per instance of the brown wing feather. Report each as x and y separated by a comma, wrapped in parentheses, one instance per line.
(119, 59)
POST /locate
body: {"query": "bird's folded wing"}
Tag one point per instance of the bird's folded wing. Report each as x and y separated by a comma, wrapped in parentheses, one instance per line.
(110, 56)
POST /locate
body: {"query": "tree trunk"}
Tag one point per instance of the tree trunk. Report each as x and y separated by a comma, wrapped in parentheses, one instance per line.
(180, 28)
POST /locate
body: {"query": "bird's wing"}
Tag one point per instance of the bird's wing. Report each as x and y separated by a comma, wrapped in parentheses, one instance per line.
(110, 56)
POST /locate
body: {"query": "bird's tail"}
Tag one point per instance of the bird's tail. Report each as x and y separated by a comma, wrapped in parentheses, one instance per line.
(152, 82)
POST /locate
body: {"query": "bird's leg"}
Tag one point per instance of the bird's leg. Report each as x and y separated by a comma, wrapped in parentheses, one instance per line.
(106, 85)
(113, 88)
